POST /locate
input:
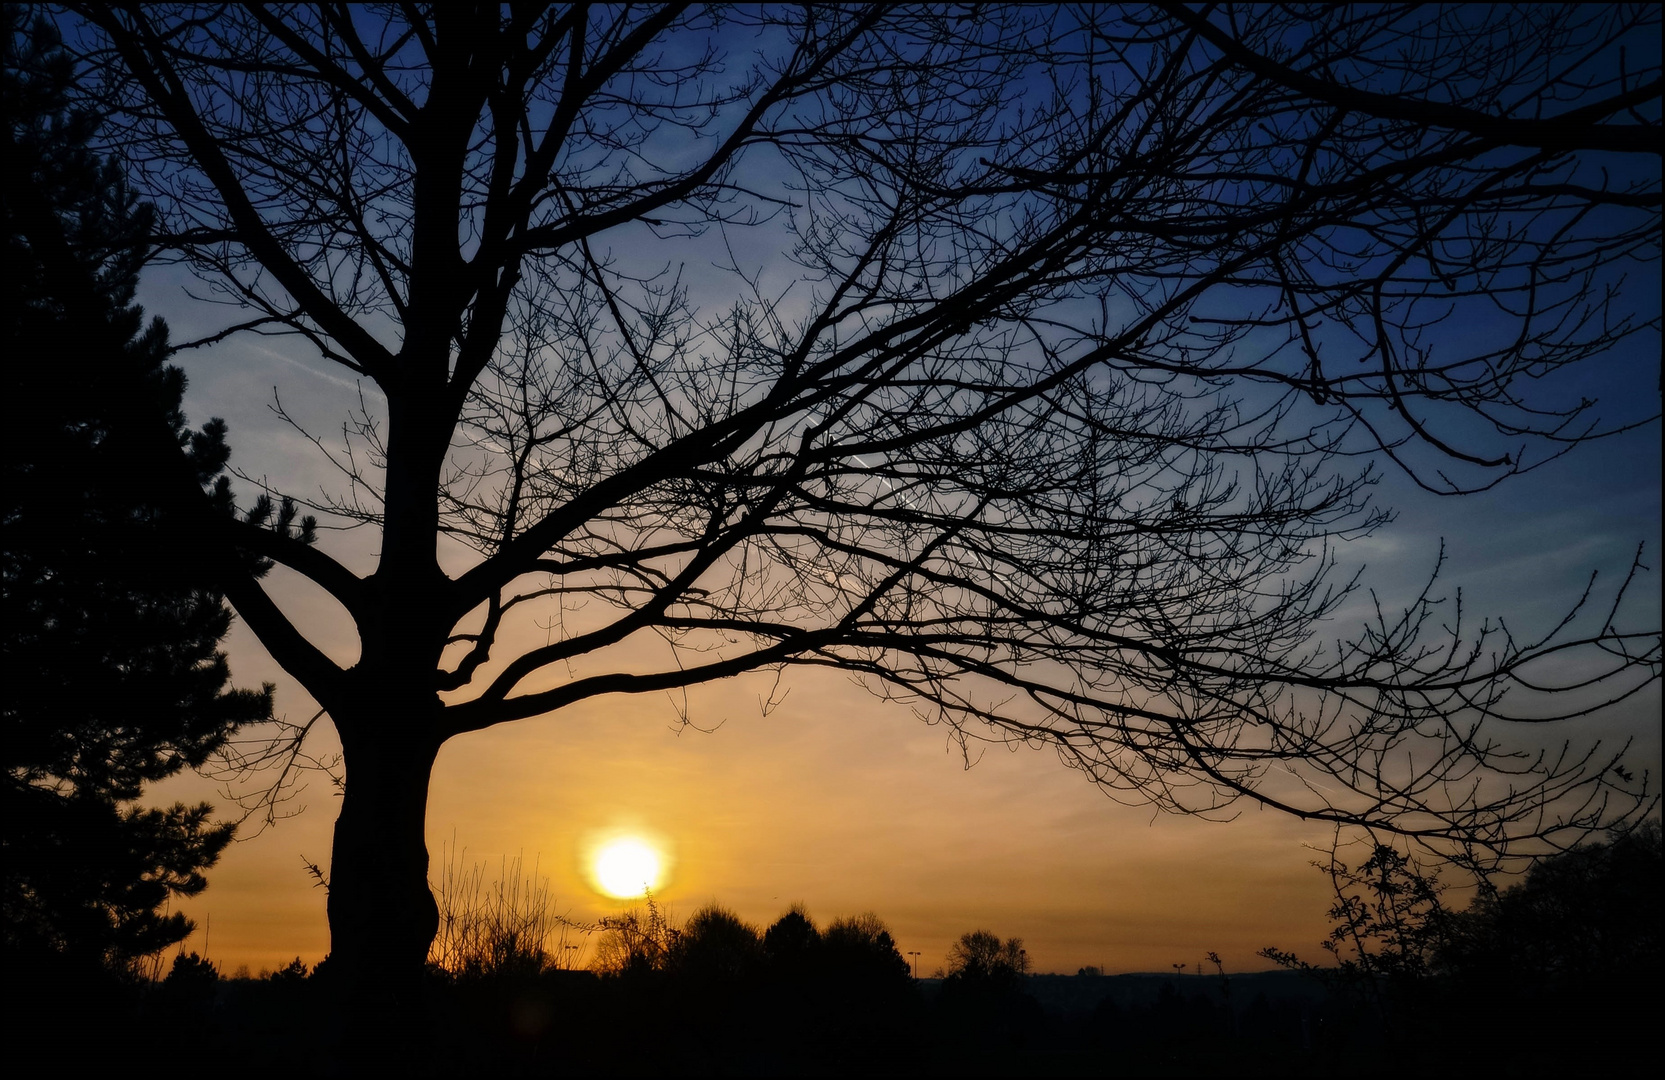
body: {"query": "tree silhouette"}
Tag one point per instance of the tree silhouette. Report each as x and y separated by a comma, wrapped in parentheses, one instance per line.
(1575, 926)
(1573, 939)
(792, 944)
(860, 950)
(1578, 939)
(981, 957)
(1387, 925)
(1048, 422)
(984, 994)
(113, 678)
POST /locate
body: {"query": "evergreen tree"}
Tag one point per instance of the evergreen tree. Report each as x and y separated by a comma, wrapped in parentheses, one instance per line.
(113, 675)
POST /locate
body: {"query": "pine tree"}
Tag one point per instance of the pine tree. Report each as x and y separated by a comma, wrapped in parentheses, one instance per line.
(113, 678)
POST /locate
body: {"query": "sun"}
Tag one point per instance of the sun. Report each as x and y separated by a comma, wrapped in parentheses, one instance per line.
(627, 868)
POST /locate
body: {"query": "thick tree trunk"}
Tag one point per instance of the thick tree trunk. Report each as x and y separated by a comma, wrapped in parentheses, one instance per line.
(382, 915)
(381, 911)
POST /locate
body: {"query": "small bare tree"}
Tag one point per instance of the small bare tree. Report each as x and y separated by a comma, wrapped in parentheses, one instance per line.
(980, 956)
(1087, 327)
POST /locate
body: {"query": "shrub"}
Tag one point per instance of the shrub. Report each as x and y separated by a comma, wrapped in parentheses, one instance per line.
(635, 941)
(716, 946)
(507, 927)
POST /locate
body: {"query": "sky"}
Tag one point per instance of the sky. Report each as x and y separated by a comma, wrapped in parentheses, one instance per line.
(844, 804)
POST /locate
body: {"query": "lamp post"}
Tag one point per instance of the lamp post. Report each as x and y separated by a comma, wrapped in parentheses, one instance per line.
(915, 955)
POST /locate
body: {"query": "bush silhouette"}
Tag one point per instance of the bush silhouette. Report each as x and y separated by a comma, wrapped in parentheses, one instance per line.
(191, 973)
(792, 944)
(716, 947)
(293, 973)
(861, 950)
(636, 942)
(192, 984)
(508, 928)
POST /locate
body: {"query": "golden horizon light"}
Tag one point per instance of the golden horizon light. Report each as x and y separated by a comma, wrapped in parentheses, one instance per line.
(627, 868)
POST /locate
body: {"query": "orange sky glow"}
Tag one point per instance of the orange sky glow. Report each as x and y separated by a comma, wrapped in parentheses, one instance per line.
(835, 800)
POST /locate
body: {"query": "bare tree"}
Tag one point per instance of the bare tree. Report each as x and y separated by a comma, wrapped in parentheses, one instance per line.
(980, 956)
(1088, 326)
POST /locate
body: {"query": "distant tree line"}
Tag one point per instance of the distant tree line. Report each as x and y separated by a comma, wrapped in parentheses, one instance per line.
(704, 995)
(1413, 986)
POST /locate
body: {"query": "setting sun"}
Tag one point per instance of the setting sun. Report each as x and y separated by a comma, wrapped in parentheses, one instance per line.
(627, 868)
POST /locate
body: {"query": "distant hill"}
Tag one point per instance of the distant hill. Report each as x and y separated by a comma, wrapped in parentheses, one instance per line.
(1079, 995)
(1083, 994)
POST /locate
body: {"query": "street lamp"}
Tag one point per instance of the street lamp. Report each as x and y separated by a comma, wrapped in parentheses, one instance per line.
(915, 955)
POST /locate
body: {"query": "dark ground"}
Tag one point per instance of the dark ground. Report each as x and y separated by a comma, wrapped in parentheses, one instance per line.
(574, 1023)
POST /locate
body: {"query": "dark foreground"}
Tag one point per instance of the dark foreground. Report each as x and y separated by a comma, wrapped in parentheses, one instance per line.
(576, 1023)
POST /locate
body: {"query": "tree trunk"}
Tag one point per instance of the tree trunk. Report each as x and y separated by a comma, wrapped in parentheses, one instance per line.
(382, 914)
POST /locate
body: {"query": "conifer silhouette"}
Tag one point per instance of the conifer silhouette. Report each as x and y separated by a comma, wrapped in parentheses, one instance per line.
(113, 675)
